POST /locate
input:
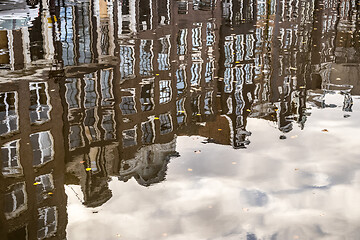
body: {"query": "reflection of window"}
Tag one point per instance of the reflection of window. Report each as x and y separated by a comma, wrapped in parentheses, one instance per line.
(180, 80)
(250, 42)
(228, 80)
(165, 91)
(108, 123)
(195, 105)
(181, 113)
(84, 33)
(146, 97)
(127, 62)
(9, 119)
(239, 47)
(45, 184)
(127, 105)
(209, 70)
(182, 42)
(165, 123)
(208, 103)
(90, 122)
(239, 102)
(90, 91)
(182, 7)
(164, 12)
(147, 129)
(248, 73)
(164, 55)
(129, 137)
(72, 93)
(39, 102)
(229, 51)
(42, 145)
(195, 73)
(210, 35)
(146, 56)
(15, 200)
(67, 35)
(11, 159)
(47, 222)
(106, 87)
(104, 39)
(196, 38)
(75, 138)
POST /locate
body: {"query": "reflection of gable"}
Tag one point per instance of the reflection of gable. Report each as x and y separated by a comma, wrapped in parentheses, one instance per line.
(149, 164)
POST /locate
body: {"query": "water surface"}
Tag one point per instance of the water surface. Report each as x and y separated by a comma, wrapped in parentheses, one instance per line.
(179, 119)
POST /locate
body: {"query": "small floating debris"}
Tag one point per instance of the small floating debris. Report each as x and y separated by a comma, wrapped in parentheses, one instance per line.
(325, 130)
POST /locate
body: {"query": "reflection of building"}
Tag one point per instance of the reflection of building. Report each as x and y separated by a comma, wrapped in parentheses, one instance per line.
(33, 201)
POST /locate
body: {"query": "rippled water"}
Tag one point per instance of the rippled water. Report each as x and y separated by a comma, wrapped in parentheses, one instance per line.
(178, 120)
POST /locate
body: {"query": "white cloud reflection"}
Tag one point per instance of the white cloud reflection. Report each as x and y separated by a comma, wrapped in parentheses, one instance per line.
(306, 187)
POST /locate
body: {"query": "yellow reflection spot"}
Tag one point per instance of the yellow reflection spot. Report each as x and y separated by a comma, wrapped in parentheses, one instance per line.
(37, 183)
(219, 129)
(88, 169)
(50, 193)
(276, 109)
(157, 74)
(237, 62)
(156, 118)
(181, 111)
(189, 169)
(248, 110)
(198, 114)
(118, 235)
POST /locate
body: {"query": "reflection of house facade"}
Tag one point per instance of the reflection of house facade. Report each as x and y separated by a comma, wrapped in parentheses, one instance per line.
(23, 46)
(33, 201)
(122, 121)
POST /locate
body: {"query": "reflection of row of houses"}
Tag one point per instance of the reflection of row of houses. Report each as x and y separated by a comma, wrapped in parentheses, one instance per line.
(123, 121)
(185, 73)
(33, 200)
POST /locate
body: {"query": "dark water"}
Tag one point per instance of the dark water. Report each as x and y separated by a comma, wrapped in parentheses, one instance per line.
(164, 119)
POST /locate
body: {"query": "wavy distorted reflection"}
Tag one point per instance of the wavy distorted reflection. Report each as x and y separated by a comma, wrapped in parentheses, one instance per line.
(97, 93)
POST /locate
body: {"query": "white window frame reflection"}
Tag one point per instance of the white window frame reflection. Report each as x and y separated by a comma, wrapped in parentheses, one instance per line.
(45, 184)
(165, 121)
(10, 153)
(129, 137)
(44, 215)
(7, 118)
(46, 144)
(39, 108)
(14, 191)
(165, 91)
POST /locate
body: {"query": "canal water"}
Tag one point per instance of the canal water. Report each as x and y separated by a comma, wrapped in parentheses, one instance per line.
(165, 119)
